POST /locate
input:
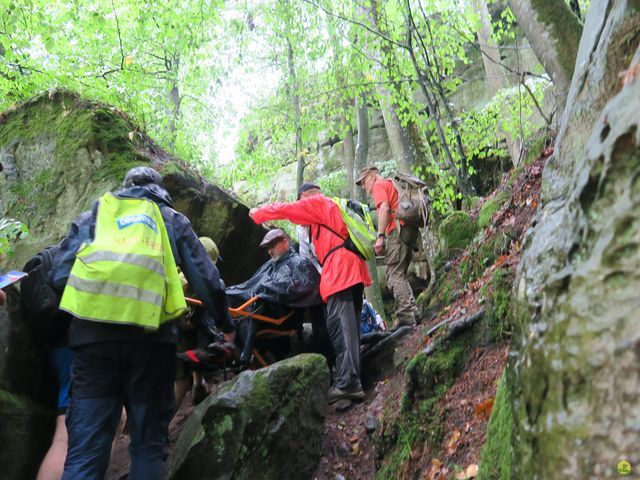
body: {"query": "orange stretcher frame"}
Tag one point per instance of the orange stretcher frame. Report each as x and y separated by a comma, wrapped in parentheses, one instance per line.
(242, 312)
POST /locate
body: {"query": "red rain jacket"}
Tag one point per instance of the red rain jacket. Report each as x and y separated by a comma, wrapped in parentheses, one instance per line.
(342, 268)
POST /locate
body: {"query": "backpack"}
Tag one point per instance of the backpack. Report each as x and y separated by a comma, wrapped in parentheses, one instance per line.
(362, 235)
(39, 299)
(414, 202)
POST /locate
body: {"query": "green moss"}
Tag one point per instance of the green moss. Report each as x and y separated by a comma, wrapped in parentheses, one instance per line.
(490, 207)
(8, 398)
(496, 458)
(470, 269)
(498, 319)
(422, 418)
(535, 146)
(425, 373)
(489, 251)
(565, 29)
(456, 231)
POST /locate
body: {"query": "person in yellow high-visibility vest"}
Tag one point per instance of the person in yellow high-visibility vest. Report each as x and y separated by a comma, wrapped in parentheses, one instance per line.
(118, 278)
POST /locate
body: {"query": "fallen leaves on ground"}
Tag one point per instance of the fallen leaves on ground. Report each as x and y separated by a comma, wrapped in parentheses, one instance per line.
(484, 409)
(452, 443)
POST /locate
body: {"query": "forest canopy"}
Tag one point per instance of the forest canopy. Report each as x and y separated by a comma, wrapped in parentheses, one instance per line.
(242, 89)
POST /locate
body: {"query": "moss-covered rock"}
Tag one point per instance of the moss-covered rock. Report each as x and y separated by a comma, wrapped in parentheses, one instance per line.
(573, 375)
(456, 232)
(490, 207)
(25, 434)
(421, 418)
(498, 319)
(497, 454)
(430, 375)
(60, 152)
(265, 424)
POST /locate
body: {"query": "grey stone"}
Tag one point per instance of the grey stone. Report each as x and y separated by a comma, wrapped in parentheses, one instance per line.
(266, 424)
(370, 423)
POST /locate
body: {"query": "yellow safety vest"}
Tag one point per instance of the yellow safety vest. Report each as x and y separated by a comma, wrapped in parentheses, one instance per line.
(127, 274)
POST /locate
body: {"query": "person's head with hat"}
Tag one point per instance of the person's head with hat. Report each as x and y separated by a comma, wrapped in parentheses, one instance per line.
(367, 178)
(308, 189)
(276, 242)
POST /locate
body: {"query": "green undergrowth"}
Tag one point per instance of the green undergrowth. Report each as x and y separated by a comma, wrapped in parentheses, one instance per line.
(421, 417)
(490, 207)
(497, 454)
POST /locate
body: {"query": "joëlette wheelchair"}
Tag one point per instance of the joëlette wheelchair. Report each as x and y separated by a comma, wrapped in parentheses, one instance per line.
(265, 333)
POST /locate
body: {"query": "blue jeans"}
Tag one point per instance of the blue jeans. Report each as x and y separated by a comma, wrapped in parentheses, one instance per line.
(106, 377)
(61, 359)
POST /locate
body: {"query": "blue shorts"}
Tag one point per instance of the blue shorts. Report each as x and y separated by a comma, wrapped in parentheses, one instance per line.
(61, 359)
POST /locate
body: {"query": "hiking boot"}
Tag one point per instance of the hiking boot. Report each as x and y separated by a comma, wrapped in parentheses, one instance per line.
(353, 393)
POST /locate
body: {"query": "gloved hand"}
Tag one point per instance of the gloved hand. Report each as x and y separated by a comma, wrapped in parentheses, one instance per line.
(223, 350)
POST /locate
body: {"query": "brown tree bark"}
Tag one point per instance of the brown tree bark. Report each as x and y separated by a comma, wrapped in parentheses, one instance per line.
(553, 31)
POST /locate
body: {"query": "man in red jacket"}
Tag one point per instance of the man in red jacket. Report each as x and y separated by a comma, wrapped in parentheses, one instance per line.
(344, 276)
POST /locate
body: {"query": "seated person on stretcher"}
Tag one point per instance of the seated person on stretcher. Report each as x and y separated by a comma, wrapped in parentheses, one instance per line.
(286, 281)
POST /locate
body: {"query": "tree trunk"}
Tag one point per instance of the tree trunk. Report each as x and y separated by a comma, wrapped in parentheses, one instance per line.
(349, 159)
(372, 292)
(347, 145)
(405, 151)
(573, 374)
(174, 117)
(295, 100)
(362, 147)
(496, 77)
(554, 33)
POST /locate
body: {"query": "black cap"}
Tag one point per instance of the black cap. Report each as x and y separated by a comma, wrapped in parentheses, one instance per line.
(139, 176)
(306, 186)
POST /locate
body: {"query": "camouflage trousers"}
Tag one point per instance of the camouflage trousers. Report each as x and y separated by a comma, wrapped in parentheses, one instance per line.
(399, 252)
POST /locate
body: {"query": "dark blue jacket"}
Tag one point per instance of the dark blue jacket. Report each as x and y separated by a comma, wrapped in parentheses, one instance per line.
(190, 255)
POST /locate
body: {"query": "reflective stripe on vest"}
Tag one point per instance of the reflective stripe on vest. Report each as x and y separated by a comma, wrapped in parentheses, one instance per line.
(127, 274)
(115, 290)
(140, 260)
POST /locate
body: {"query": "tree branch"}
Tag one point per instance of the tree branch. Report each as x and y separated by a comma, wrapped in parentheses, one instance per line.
(119, 36)
(535, 101)
(360, 24)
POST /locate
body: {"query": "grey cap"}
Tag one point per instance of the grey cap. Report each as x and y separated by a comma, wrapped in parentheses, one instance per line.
(272, 236)
(138, 176)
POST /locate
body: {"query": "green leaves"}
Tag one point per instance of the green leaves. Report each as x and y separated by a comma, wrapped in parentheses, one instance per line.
(10, 231)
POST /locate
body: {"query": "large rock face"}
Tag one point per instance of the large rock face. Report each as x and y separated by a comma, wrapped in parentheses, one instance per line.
(265, 424)
(574, 378)
(59, 153)
(25, 426)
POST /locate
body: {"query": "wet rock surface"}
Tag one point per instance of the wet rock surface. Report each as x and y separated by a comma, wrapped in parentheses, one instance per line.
(266, 424)
(574, 376)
